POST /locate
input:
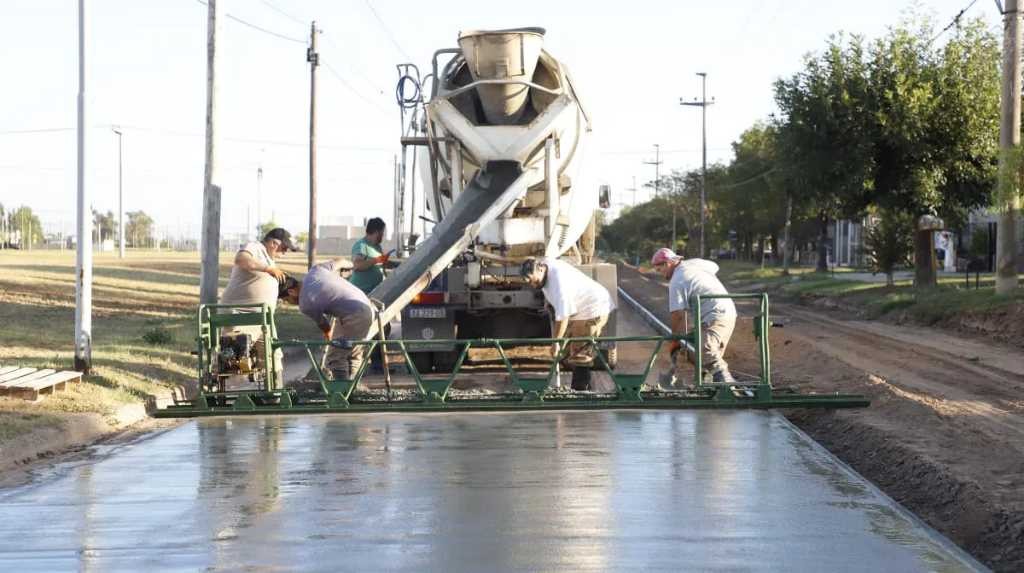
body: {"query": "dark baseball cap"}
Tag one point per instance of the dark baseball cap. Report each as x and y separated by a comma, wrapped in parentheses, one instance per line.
(281, 235)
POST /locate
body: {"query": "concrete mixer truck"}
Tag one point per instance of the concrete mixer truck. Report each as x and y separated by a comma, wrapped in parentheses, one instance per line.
(492, 172)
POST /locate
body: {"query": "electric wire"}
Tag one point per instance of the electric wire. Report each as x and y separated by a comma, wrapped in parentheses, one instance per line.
(349, 87)
(387, 30)
(954, 22)
(258, 28)
(283, 13)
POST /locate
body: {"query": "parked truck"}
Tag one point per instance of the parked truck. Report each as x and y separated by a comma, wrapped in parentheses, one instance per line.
(497, 151)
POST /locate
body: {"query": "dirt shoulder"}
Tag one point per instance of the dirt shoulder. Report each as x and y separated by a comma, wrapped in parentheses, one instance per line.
(944, 435)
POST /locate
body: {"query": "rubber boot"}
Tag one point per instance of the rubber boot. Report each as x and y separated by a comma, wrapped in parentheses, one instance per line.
(581, 378)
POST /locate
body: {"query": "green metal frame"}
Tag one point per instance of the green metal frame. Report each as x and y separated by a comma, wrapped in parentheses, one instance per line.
(533, 391)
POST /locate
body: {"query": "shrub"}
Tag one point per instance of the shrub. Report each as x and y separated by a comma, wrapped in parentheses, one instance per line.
(158, 336)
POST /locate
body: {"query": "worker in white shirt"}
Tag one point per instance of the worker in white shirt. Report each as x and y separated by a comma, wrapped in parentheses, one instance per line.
(688, 279)
(579, 307)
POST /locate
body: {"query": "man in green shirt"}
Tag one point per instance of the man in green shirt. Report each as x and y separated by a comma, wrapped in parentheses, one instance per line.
(367, 260)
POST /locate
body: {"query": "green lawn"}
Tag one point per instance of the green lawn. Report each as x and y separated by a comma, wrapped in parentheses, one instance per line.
(875, 299)
(146, 297)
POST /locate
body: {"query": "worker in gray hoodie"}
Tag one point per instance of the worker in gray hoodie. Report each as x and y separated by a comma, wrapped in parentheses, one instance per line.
(688, 279)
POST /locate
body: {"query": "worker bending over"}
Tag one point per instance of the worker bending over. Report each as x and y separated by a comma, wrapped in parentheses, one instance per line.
(325, 296)
(256, 279)
(580, 308)
(688, 279)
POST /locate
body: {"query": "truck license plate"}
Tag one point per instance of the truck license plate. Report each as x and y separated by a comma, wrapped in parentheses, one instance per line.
(427, 312)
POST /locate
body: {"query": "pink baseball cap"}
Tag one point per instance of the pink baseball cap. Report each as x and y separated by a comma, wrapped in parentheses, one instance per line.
(663, 255)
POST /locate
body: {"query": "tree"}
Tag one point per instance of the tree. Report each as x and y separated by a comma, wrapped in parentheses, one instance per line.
(105, 225)
(301, 238)
(936, 113)
(889, 242)
(24, 227)
(139, 229)
(825, 134)
(264, 228)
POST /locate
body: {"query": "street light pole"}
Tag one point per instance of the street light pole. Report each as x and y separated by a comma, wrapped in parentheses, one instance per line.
(83, 263)
(703, 105)
(120, 193)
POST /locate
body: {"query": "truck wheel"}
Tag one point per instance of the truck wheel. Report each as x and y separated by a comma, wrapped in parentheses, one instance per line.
(445, 361)
(423, 361)
(588, 241)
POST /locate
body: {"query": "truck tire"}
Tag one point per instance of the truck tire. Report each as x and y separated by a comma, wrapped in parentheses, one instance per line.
(423, 361)
(588, 241)
(445, 361)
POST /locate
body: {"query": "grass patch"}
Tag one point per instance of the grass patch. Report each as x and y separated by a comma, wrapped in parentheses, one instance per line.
(144, 325)
(14, 424)
(949, 300)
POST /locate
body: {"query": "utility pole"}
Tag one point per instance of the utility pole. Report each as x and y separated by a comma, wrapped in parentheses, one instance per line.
(703, 105)
(314, 61)
(210, 234)
(83, 257)
(259, 199)
(657, 168)
(633, 189)
(120, 195)
(1009, 143)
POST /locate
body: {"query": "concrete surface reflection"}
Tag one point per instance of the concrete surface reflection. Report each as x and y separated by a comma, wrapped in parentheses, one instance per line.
(541, 491)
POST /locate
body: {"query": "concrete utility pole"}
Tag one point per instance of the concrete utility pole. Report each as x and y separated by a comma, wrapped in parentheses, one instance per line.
(83, 258)
(703, 105)
(210, 239)
(1010, 158)
(657, 168)
(259, 199)
(120, 194)
(314, 61)
(633, 189)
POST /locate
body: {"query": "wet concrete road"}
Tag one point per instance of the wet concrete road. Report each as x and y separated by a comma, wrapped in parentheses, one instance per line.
(593, 491)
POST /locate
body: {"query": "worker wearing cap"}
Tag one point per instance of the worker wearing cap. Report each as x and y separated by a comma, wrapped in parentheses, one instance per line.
(687, 280)
(256, 279)
(324, 296)
(367, 260)
(580, 307)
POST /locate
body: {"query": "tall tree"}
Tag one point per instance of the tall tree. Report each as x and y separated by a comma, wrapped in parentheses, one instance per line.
(25, 224)
(825, 133)
(936, 112)
(139, 229)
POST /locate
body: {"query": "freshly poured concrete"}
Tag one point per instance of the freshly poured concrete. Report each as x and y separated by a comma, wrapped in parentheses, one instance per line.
(477, 492)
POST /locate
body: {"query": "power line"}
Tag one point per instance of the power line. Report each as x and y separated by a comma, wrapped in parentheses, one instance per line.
(355, 68)
(259, 28)
(176, 133)
(348, 86)
(745, 181)
(283, 13)
(43, 130)
(954, 22)
(386, 30)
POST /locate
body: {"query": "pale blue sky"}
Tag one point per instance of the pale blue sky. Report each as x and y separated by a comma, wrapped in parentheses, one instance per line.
(632, 61)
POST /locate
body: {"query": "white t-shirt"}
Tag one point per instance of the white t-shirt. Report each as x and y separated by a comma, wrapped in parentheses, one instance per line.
(696, 277)
(572, 294)
(252, 287)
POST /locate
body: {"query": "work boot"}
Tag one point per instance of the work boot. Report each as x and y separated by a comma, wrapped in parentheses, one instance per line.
(581, 378)
(722, 376)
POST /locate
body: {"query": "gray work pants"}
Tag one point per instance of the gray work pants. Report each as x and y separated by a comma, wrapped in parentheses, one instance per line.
(352, 326)
(715, 337)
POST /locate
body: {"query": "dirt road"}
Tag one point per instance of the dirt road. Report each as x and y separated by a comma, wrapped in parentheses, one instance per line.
(944, 434)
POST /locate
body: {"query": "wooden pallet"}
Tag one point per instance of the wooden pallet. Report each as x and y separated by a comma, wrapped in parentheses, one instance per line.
(30, 383)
